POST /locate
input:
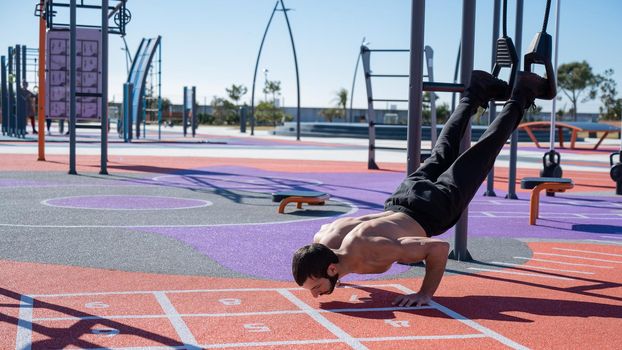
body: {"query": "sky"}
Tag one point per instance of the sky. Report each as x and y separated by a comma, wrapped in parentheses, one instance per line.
(212, 44)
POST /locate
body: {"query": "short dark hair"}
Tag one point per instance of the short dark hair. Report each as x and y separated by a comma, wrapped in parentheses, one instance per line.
(312, 261)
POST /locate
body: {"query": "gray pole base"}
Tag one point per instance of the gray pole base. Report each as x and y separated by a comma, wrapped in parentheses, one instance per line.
(511, 196)
(466, 257)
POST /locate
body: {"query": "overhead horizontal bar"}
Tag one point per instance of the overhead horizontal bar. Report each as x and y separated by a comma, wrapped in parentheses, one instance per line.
(389, 75)
(388, 50)
(390, 148)
(387, 100)
(442, 87)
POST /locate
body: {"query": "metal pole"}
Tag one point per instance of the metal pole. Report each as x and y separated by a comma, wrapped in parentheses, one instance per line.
(5, 96)
(24, 119)
(356, 67)
(193, 110)
(514, 139)
(104, 99)
(72, 88)
(468, 50)
(160, 89)
(11, 100)
(256, 67)
(492, 107)
(185, 110)
(553, 114)
(291, 37)
(429, 59)
(371, 114)
(456, 70)
(42, 83)
(415, 86)
(19, 102)
(127, 111)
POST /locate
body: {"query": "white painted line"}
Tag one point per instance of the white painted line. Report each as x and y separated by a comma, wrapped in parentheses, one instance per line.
(340, 333)
(540, 268)
(579, 257)
(24, 324)
(186, 291)
(602, 241)
(353, 209)
(588, 251)
(180, 326)
(202, 205)
(522, 274)
(486, 331)
(233, 314)
(564, 262)
(611, 236)
(426, 337)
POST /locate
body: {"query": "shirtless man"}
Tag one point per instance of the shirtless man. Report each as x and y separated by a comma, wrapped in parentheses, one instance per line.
(426, 204)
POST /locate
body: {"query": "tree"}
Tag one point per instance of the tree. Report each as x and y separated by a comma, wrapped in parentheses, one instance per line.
(272, 87)
(235, 93)
(574, 78)
(224, 111)
(342, 99)
(612, 106)
(267, 113)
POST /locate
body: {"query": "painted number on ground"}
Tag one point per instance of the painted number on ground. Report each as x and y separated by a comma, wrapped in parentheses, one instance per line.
(96, 305)
(256, 327)
(397, 324)
(230, 301)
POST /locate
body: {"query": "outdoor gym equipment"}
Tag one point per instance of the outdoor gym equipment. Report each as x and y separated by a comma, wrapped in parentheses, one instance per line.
(299, 197)
(616, 170)
(504, 56)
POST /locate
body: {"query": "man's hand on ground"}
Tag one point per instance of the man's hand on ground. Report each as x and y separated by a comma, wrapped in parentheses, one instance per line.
(414, 299)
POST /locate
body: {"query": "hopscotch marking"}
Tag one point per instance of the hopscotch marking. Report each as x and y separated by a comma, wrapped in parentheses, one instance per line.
(24, 325)
(24, 335)
(540, 268)
(579, 257)
(522, 274)
(563, 262)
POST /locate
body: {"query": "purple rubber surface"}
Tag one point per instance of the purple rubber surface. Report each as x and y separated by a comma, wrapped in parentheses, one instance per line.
(265, 250)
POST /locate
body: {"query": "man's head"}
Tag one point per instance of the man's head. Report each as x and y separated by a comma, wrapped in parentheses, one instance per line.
(25, 85)
(313, 267)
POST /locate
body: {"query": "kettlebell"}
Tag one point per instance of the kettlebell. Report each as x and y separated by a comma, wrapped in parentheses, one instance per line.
(616, 171)
(551, 166)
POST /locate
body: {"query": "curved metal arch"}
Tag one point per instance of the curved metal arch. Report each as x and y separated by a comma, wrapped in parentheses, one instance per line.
(291, 36)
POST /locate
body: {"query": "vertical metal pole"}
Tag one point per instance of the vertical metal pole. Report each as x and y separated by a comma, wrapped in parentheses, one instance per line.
(160, 89)
(553, 106)
(24, 119)
(19, 103)
(291, 37)
(193, 110)
(371, 114)
(127, 111)
(429, 59)
(5, 96)
(104, 99)
(415, 85)
(263, 39)
(11, 98)
(468, 50)
(492, 107)
(72, 88)
(356, 68)
(42, 85)
(514, 139)
(185, 110)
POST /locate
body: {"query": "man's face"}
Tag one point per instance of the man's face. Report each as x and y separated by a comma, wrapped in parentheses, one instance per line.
(321, 286)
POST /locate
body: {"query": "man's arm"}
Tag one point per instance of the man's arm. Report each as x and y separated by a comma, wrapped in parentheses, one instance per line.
(434, 253)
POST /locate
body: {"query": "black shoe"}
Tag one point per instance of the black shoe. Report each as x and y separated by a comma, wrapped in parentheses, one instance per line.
(485, 87)
(35, 132)
(528, 87)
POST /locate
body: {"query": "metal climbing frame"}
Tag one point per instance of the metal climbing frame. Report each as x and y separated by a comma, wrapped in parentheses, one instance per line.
(48, 10)
(430, 86)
